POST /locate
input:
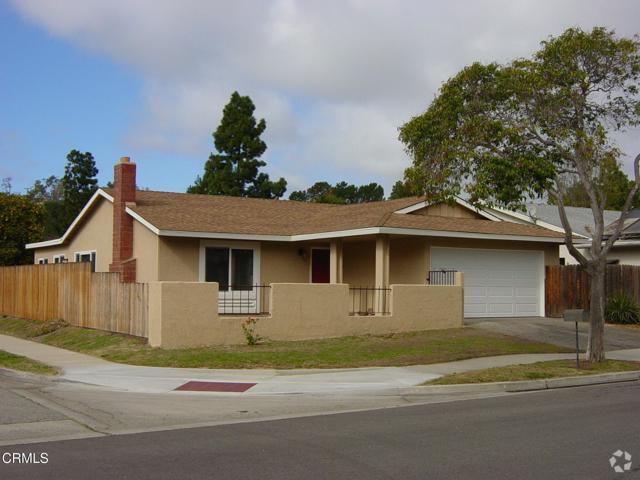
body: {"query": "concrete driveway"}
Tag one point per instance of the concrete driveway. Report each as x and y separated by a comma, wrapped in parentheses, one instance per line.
(556, 331)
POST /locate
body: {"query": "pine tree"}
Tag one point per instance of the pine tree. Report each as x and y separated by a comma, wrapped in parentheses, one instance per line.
(79, 182)
(234, 169)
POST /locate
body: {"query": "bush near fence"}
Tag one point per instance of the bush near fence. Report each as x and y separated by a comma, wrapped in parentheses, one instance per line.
(567, 286)
(70, 291)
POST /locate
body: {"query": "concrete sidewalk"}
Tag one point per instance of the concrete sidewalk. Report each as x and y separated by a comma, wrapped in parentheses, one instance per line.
(86, 369)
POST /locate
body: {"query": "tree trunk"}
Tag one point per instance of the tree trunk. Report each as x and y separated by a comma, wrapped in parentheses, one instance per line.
(595, 349)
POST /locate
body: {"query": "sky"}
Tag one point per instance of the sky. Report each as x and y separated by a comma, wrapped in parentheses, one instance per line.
(333, 79)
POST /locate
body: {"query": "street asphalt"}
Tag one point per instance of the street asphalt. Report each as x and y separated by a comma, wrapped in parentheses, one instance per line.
(559, 434)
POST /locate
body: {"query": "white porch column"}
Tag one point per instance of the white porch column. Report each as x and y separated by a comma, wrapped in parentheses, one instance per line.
(335, 261)
(382, 261)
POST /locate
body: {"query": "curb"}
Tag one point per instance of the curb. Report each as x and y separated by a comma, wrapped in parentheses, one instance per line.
(527, 385)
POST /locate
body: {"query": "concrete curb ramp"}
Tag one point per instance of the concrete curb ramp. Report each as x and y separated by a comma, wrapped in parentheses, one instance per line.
(529, 385)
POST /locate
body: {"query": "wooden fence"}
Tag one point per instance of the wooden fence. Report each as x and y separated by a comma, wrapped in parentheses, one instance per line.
(70, 291)
(567, 286)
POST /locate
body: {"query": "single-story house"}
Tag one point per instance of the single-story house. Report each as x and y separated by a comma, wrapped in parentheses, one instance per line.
(243, 243)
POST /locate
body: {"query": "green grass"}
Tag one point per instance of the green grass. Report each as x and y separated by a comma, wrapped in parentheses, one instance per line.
(24, 364)
(536, 371)
(362, 351)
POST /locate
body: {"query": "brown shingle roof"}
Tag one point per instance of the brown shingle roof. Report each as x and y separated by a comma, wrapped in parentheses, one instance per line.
(468, 225)
(238, 215)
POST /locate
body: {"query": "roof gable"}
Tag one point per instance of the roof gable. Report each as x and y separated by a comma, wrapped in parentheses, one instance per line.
(76, 224)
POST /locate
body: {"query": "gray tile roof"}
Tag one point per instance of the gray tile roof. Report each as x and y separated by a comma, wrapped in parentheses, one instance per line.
(631, 225)
(581, 219)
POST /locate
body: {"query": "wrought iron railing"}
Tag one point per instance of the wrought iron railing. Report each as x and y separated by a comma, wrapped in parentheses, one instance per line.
(370, 300)
(244, 299)
(442, 277)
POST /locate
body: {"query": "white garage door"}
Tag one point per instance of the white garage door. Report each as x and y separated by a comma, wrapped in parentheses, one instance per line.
(497, 283)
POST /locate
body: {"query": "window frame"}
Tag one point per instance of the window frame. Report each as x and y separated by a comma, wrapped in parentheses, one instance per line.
(238, 245)
(42, 261)
(61, 257)
(93, 255)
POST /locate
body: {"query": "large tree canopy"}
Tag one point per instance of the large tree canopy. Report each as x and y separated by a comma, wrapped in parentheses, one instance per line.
(501, 134)
(21, 222)
(341, 192)
(234, 170)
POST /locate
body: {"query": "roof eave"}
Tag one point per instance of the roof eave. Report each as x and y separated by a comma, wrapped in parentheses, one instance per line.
(359, 232)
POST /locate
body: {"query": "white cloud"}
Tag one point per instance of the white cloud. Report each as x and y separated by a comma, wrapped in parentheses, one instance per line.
(333, 79)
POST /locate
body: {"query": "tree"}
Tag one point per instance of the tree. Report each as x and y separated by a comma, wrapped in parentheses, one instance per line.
(505, 133)
(49, 192)
(5, 185)
(234, 169)
(47, 189)
(409, 187)
(341, 193)
(613, 183)
(371, 192)
(21, 222)
(79, 183)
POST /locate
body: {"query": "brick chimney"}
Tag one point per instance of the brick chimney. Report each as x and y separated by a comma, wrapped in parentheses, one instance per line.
(124, 194)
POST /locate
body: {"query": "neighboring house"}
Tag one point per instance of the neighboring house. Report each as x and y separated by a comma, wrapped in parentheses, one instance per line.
(582, 224)
(626, 250)
(240, 242)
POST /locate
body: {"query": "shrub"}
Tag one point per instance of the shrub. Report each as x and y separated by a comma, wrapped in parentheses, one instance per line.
(249, 330)
(622, 309)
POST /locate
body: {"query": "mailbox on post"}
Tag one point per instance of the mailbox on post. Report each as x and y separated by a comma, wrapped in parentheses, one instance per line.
(576, 316)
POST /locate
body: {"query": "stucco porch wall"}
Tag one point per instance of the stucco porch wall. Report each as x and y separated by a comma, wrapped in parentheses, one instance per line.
(184, 314)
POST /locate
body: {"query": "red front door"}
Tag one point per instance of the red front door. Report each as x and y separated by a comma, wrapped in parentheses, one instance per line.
(320, 266)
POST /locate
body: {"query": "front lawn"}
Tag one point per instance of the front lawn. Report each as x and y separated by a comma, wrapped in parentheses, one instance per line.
(363, 351)
(536, 371)
(24, 364)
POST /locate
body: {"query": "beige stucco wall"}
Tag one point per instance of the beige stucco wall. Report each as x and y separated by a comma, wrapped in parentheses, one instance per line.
(178, 259)
(282, 262)
(145, 251)
(95, 233)
(409, 259)
(185, 314)
(359, 262)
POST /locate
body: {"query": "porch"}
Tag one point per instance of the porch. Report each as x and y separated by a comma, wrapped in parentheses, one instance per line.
(245, 271)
